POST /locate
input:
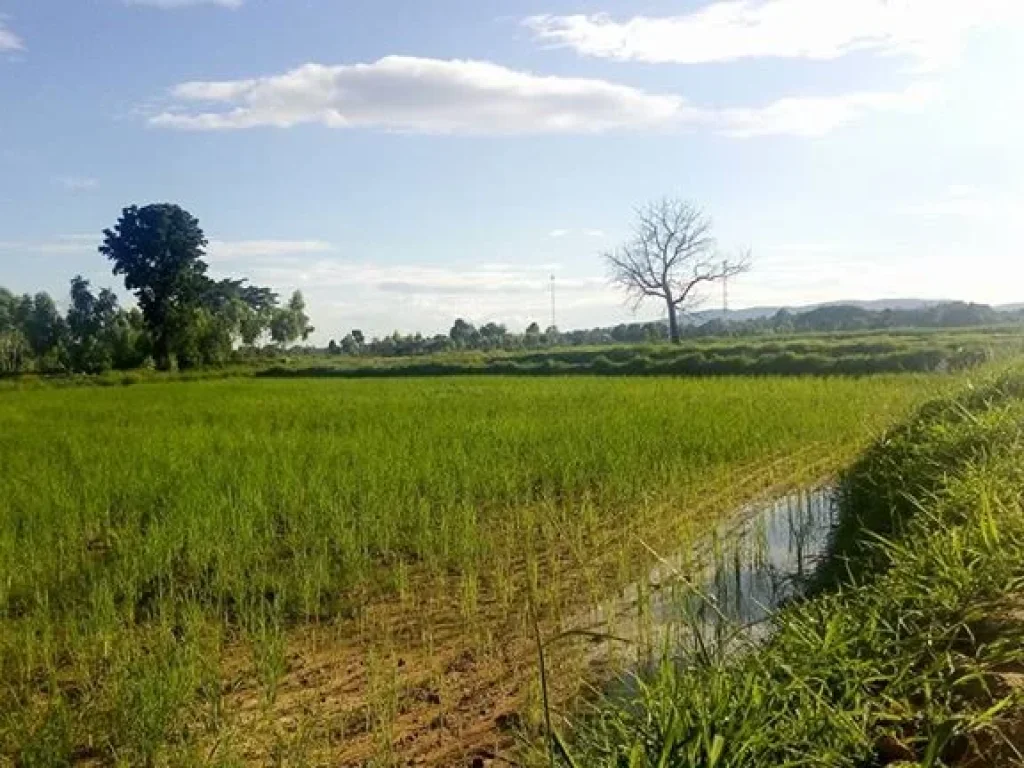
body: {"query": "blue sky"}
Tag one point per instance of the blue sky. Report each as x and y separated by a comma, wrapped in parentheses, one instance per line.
(404, 163)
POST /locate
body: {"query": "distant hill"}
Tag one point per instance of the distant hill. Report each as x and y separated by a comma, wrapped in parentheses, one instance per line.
(873, 305)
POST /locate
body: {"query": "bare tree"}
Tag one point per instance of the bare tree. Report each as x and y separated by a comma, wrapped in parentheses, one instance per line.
(671, 257)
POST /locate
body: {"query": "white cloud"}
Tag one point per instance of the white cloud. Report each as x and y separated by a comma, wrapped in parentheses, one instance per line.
(173, 4)
(403, 93)
(78, 183)
(557, 233)
(598, 233)
(931, 32)
(232, 250)
(471, 97)
(817, 116)
(8, 40)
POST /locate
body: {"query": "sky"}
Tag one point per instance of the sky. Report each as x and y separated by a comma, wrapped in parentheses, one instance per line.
(406, 163)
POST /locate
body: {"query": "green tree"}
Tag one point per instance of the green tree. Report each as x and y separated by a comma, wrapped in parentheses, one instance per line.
(8, 302)
(42, 325)
(92, 326)
(160, 250)
(15, 353)
(291, 323)
(464, 334)
(350, 345)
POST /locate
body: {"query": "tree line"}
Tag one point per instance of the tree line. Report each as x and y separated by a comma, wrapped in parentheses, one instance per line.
(492, 336)
(182, 318)
(828, 319)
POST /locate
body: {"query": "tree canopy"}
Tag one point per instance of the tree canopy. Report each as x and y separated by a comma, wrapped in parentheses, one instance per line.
(160, 249)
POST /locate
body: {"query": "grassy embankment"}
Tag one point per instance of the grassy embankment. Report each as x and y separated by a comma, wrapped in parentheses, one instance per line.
(854, 354)
(911, 649)
(166, 552)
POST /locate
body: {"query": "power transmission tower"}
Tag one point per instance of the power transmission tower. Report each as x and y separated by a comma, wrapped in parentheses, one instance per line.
(554, 323)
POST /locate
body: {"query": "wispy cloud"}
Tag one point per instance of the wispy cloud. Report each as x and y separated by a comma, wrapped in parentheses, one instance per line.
(558, 233)
(235, 250)
(818, 116)
(403, 93)
(173, 4)
(252, 252)
(9, 41)
(54, 246)
(473, 97)
(419, 279)
(78, 183)
(931, 32)
(366, 294)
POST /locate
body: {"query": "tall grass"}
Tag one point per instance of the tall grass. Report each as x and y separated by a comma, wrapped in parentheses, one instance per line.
(901, 655)
(143, 530)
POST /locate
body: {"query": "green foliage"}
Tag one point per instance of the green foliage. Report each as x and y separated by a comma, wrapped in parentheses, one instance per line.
(291, 323)
(141, 526)
(898, 658)
(15, 352)
(184, 320)
(159, 249)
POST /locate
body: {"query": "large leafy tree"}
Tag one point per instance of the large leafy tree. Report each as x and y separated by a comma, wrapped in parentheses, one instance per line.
(160, 249)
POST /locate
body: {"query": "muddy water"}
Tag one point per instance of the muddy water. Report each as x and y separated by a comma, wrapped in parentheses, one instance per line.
(720, 591)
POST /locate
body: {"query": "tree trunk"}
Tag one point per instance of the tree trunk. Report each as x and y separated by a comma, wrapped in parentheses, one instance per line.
(162, 351)
(673, 323)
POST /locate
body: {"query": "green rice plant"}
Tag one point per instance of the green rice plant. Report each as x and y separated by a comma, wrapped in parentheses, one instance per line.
(899, 654)
(151, 535)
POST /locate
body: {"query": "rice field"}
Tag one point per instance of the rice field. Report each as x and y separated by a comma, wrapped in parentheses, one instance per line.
(324, 571)
(907, 651)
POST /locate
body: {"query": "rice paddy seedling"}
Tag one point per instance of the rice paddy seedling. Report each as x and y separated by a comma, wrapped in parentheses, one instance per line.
(175, 559)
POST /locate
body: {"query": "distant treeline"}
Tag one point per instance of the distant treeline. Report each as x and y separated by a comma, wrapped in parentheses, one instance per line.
(96, 334)
(828, 319)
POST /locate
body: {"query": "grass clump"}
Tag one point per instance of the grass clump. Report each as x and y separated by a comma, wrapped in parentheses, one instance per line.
(902, 653)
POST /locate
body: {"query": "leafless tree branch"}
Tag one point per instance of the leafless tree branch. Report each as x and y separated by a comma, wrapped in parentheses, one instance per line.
(671, 255)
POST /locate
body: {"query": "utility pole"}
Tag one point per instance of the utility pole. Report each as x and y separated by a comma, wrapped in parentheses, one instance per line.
(725, 289)
(554, 323)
